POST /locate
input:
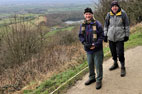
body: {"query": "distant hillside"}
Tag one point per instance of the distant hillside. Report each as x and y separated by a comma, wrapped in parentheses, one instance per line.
(8, 7)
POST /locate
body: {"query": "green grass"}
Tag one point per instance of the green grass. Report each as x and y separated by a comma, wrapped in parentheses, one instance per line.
(58, 79)
(135, 40)
(68, 28)
(58, 30)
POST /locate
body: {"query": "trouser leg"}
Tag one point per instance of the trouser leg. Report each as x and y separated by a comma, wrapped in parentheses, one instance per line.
(120, 52)
(112, 46)
(91, 66)
(98, 60)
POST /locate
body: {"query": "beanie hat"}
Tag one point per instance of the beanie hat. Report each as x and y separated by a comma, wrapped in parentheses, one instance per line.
(88, 10)
(115, 3)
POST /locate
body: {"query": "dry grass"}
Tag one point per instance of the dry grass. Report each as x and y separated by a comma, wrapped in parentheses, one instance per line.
(34, 58)
(135, 27)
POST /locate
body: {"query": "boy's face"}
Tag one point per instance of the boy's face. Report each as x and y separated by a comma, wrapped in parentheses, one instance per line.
(88, 16)
(114, 8)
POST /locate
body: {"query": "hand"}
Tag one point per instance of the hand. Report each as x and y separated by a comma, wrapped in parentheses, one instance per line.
(87, 45)
(92, 47)
(126, 38)
(105, 39)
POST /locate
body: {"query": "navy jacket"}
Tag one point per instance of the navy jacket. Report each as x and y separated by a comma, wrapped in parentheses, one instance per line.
(88, 37)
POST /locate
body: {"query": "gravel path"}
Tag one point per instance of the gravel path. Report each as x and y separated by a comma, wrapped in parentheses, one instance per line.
(112, 82)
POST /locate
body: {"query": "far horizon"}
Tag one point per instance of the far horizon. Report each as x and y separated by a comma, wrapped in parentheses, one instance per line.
(8, 7)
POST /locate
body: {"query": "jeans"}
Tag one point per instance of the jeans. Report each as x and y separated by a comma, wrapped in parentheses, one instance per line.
(95, 61)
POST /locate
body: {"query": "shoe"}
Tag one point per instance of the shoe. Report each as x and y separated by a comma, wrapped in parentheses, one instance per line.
(113, 67)
(123, 72)
(98, 85)
(90, 82)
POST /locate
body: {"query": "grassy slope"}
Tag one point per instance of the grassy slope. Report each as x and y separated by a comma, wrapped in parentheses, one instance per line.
(62, 29)
(58, 79)
(8, 20)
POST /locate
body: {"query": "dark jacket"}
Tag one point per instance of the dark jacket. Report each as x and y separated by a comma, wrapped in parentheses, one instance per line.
(88, 37)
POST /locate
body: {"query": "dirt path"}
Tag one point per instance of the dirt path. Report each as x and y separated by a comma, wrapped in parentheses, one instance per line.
(112, 82)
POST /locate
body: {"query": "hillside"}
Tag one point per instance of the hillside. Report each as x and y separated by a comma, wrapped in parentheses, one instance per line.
(39, 52)
(64, 80)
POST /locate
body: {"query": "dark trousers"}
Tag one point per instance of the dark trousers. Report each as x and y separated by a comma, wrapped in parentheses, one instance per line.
(117, 50)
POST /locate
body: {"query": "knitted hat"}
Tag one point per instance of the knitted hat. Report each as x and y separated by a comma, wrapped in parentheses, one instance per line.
(114, 3)
(88, 10)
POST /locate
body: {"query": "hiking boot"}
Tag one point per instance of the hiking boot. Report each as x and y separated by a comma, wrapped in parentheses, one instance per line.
(113, 67)
(98, 85)
(123, 72)
(90, 82)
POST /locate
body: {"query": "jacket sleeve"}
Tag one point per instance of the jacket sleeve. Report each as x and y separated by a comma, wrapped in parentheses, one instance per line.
(100, 34)
(126, 26)
(81, 35)
(106, 24)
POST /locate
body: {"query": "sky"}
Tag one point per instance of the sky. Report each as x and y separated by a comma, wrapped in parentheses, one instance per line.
(45, 1)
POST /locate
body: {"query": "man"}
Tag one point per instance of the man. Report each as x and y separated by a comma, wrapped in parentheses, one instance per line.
(91, 36)
(116, 30)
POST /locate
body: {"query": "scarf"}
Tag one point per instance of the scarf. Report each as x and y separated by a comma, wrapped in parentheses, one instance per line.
(83, 28)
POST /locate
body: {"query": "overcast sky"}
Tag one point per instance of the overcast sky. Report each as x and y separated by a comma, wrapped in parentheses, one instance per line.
(45, 1)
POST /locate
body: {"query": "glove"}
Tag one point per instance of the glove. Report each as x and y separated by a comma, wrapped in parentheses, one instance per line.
(105, 39)
(87, 45)
(126, 38)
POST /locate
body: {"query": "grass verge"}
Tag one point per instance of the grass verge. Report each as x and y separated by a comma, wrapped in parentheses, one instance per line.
(58, 79)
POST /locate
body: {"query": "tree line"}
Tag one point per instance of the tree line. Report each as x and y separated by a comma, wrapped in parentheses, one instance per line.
(132, 8)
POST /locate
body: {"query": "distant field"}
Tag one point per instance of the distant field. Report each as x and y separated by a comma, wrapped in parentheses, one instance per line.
(10, 19)
(58, 30)
(40, 9)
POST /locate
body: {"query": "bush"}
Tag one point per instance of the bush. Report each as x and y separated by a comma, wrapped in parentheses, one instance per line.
(20, 41)
(28, 55)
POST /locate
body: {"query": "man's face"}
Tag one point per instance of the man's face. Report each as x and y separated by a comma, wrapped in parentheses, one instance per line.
(88, 16)
(114, 8)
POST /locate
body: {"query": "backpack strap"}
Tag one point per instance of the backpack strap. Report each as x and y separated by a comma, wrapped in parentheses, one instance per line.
(107, 22)
(123, 21)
